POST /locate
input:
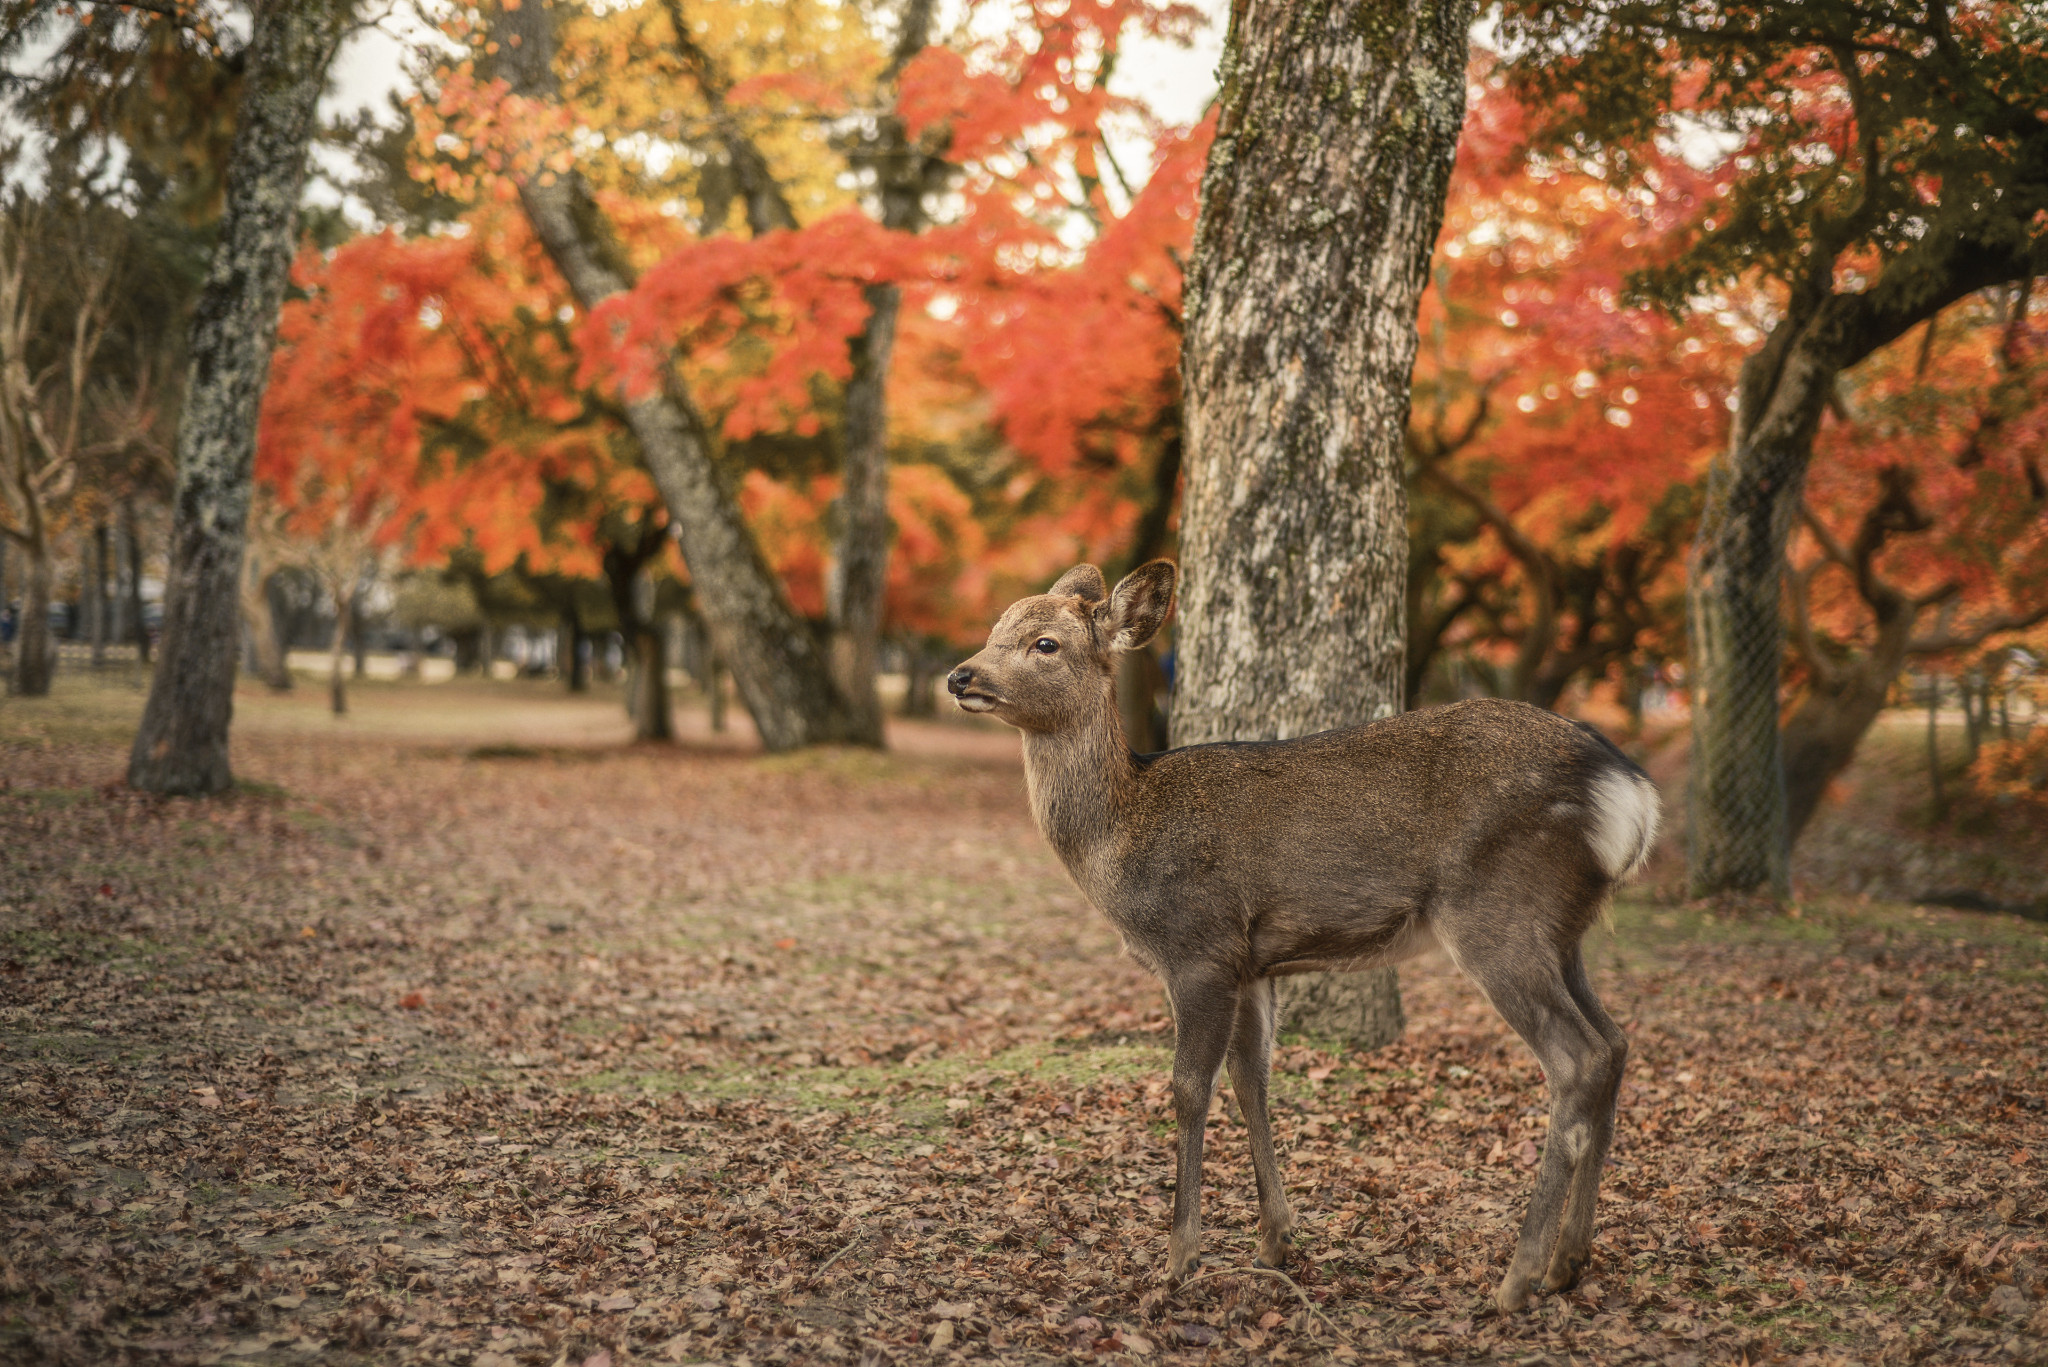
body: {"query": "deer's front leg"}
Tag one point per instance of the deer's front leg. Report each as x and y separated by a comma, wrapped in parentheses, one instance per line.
(1204, 1015)
(1251, 1057)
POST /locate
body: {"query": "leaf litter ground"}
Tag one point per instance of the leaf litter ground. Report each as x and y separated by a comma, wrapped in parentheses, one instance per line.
(437, 1044)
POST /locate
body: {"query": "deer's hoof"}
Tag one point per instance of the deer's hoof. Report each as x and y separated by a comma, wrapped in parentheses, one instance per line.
(1182, 1264)
(1272, 1255)
(1513, 1294)
(1564, 1274)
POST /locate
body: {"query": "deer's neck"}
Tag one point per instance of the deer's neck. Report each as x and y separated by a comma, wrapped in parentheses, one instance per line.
(1081, 779)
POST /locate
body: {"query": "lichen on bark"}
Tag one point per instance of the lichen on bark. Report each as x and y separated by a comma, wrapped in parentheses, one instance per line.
(1320, 205)
(182, 744)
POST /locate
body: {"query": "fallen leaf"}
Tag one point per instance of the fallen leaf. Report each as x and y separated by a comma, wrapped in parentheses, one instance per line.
(1270, 1319)
(413, 1001)
(622, 1301)
(942, 1336)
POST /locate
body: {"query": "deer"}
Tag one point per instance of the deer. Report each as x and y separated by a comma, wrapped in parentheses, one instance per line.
(1494, 830)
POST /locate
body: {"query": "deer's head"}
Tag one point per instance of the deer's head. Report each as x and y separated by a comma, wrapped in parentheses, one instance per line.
(1050, 657)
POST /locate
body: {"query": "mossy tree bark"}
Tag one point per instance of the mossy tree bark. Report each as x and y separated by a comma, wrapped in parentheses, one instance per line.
(182, 746)
(1320, 206)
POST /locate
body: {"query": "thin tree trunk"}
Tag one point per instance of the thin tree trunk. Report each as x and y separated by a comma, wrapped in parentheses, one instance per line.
(1297, 360)
(182, 745)
(569, 647)
(95, 594)
(131, 537)
(337, 678)
(861, 568)
(1939, 797)
(714, 690)
(860, 571)
(358, 637)
(781, 668)
(33, 664)
(647, 701)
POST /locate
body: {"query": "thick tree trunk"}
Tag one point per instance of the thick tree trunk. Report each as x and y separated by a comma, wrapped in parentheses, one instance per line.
(182, 745)
(1320, 206)
(778, 662)
(1740, 839)
(33, 662)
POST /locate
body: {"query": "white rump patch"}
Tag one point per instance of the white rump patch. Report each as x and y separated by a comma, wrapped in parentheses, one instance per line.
(1624, 825)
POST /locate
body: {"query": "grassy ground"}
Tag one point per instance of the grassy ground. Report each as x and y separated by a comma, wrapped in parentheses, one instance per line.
(464, 1033)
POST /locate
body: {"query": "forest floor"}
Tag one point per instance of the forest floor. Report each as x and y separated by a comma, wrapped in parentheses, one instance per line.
(463, 1033)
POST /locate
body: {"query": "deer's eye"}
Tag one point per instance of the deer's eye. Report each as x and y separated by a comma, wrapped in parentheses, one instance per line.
(1045, 645)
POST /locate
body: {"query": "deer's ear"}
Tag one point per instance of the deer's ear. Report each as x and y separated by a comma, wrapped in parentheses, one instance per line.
(1082, 581)
(1139, 606)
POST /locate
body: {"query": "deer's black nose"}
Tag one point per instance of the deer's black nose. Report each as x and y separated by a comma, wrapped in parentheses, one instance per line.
(960, 680)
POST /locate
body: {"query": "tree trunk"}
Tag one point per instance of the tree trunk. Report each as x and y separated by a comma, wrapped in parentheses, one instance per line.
(131, 537)
(337, 678)
(781, 668)
(95, 593)
(1297, 360)
(359, 638)
(271, 664)
(33, 664)
(647, 701)
(182, 745)
(1821, 735)
(1938, 796)
(569, 646)
(919, 699)
(860, 572)
(1740, 834)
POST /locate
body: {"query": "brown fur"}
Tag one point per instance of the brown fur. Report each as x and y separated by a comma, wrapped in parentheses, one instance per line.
(1474, 826)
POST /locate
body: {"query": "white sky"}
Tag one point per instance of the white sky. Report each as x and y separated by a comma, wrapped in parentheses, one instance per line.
(1176, 82)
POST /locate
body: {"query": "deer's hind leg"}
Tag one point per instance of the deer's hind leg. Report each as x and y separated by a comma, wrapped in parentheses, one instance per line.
(1527, 983)
(1575, 1239)
(1251, 1061)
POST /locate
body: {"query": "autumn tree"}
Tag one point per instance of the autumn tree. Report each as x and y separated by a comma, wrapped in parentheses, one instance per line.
(1297, 359)
(778, 662)
(1558, 434)
(1885, 163)
(1923, 529)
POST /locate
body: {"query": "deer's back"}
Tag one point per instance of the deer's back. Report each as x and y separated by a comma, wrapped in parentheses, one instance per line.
(1331, 847)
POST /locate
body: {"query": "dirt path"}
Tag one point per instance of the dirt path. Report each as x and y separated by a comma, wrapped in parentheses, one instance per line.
(448, 1042)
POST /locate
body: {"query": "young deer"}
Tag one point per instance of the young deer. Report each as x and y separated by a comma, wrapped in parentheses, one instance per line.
(1493, 829)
